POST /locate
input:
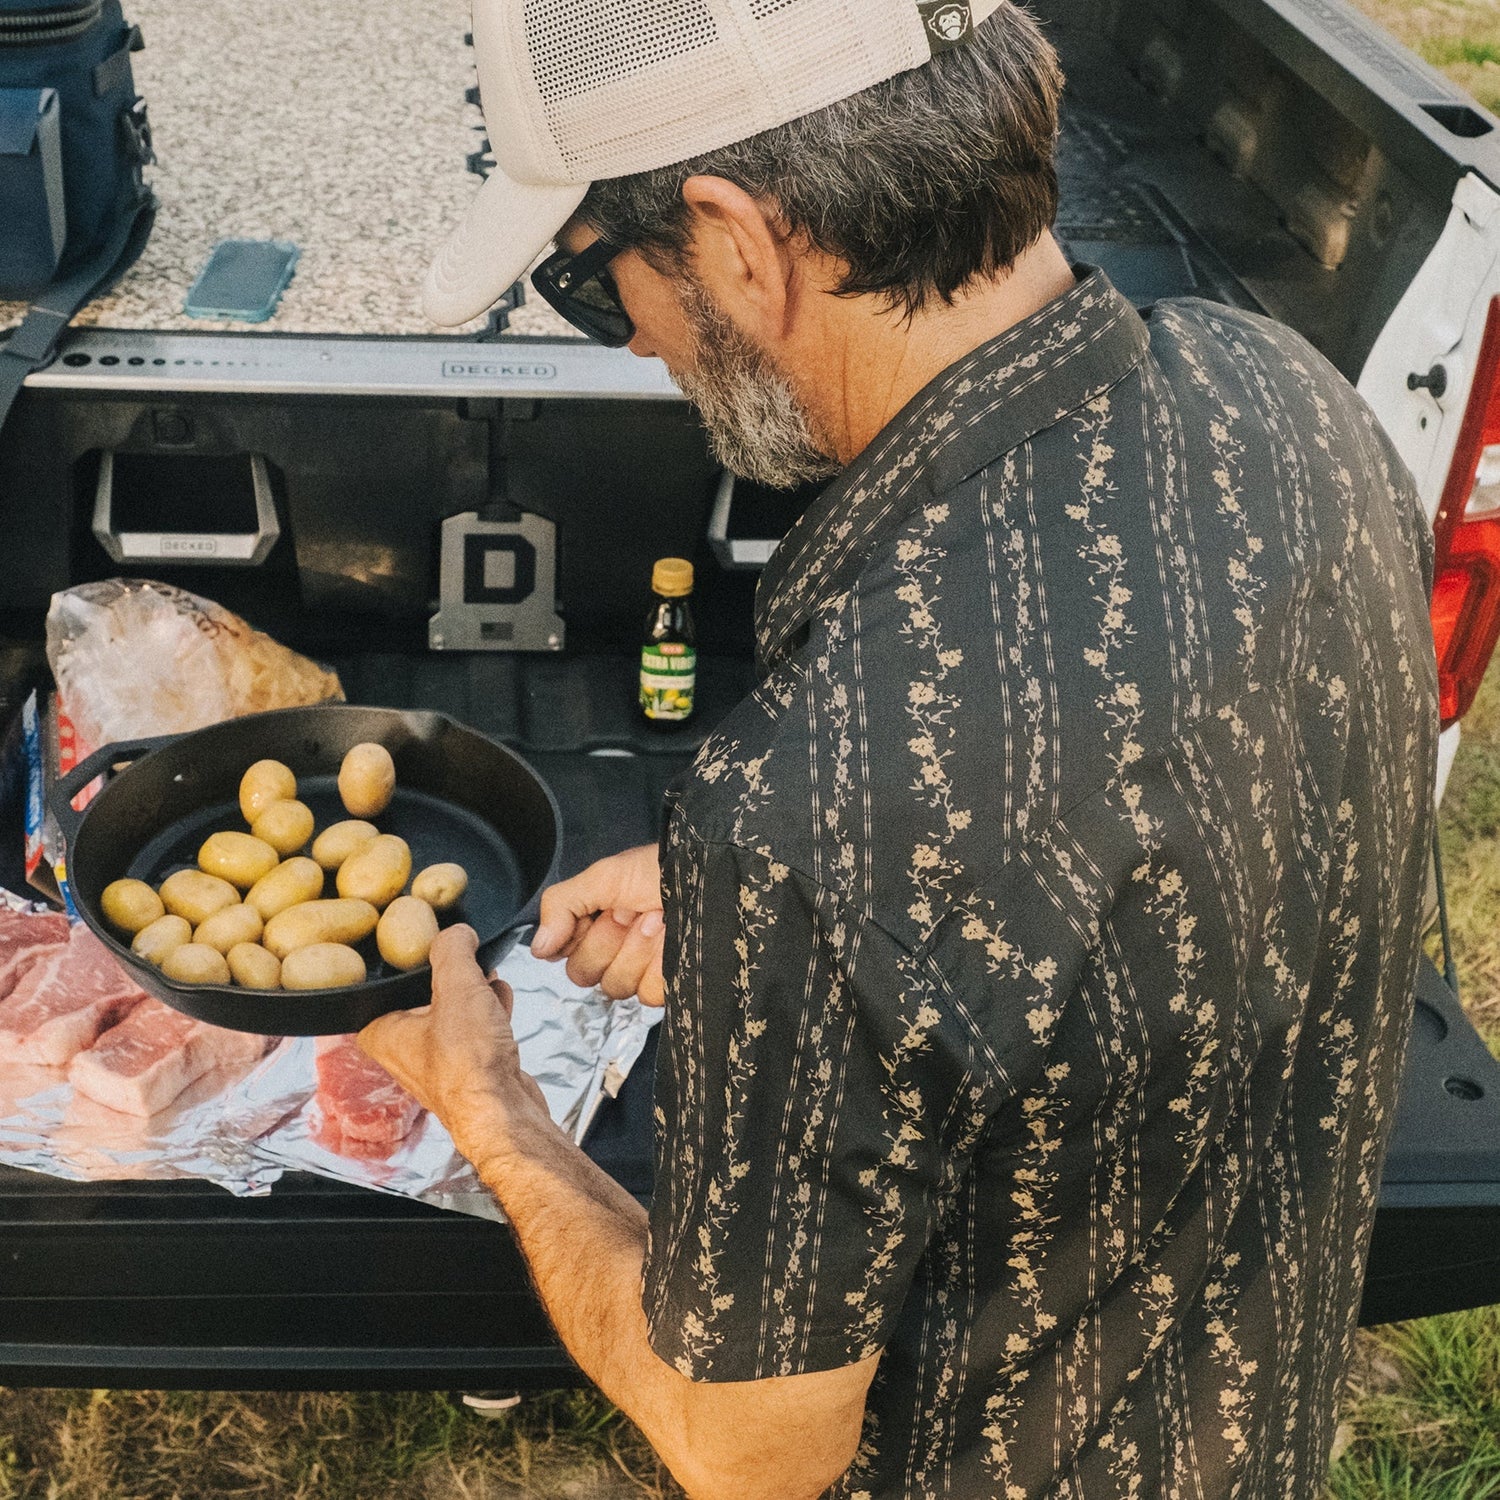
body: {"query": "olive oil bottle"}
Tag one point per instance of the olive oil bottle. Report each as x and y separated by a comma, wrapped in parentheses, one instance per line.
(669, 654)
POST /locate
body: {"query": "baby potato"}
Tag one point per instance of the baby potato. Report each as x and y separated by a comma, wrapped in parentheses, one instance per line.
(239, 858)
(322, 966)
(196, 896)
(163, 937)
(131, 905)
(254, 968)
(377, 871)
(285, 826)
(367, 780)
(196, 963)
(404, 936)
(291, 883)
(319, 922)
(267, 781)
(339, 840)
(441, 886)
(228, 928)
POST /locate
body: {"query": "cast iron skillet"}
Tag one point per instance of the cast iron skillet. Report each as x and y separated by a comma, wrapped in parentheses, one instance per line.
(459, 796)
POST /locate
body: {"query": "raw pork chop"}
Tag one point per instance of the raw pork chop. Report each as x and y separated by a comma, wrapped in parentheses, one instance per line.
(64, 1001)
(359, 1097)
(144, 1063)
(23, 939)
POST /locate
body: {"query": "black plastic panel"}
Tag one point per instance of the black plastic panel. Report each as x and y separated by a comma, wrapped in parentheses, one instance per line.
(1436, 1246)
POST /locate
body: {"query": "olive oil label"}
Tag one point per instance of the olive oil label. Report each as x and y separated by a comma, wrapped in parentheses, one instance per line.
(669, 679)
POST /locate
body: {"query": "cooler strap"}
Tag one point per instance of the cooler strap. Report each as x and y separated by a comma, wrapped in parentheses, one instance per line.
(32, 342)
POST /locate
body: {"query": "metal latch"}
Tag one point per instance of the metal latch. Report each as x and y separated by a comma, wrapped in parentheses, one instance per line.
(497, 586)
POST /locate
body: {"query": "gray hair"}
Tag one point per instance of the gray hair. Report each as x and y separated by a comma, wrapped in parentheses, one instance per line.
(918, 186)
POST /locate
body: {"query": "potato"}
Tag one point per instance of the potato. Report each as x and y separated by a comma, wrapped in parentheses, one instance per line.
(405, 933)
(267, 781)
(228, 928)
(239, 858)
(130, 905)
(322, 966)
(290, 884)
(196, 963)
(441, 886)
(367, 780)
(196, 896)
(285, 826)
(254, 968)
(319, 922)
(377, 871)
(339, 840)
(163, 937)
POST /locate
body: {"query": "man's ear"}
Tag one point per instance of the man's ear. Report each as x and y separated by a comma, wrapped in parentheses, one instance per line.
(742, 258)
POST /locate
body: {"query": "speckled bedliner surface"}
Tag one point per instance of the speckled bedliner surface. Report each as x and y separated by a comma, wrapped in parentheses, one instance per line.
(337, 124)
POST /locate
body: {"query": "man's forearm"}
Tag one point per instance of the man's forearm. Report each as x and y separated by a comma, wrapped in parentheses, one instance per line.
(584, 1239)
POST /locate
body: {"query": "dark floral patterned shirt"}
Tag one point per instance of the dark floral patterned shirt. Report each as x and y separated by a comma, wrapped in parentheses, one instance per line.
(1042, 932)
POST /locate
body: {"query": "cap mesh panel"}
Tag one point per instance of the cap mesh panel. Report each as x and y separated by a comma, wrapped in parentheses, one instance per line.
(628, 85)
(808, 43)
(575, 49)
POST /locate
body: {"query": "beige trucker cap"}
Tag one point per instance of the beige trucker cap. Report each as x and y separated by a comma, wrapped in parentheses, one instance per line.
(576, 90)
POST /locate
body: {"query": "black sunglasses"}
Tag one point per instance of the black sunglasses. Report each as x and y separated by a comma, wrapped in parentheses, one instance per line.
(582, 290)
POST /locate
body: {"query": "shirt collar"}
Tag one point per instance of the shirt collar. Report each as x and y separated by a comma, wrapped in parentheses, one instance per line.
(1027, 379)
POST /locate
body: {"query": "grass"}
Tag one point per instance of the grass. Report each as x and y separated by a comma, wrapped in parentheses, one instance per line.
(1462, 37)
(1421, 1419)
(154, 1445)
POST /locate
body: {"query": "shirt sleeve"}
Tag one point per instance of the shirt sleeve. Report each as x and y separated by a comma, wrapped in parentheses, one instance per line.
(814, 1099)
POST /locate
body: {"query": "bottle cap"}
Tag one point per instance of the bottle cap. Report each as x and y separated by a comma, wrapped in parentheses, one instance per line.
(672, 578)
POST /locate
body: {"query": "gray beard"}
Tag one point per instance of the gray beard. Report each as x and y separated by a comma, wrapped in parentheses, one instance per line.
(756, 426)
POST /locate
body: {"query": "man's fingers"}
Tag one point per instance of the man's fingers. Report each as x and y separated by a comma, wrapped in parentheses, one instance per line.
(454, 944)
(640, 950)
(597, 951)
(505, 995)
(630, 881)
(580, 931)
(563, 904)
(455, 970)
(384, 1037)
(653, 990)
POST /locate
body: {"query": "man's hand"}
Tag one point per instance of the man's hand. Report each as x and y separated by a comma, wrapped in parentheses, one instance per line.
(458, 1056)
(608, 924)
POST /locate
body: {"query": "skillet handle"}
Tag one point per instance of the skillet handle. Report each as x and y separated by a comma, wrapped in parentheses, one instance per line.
(492, 952)
(66, 788)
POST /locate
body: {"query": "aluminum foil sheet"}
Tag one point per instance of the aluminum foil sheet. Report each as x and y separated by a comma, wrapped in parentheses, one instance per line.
(242, 1129)
(579, 1046)
(46, 1126)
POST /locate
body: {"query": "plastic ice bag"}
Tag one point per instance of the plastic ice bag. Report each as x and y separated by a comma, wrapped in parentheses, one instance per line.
(133, 659)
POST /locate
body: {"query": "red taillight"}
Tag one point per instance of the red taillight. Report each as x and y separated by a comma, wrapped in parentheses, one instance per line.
(1466, 591)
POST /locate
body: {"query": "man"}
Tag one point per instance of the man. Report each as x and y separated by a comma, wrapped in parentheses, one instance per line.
(1039, 937)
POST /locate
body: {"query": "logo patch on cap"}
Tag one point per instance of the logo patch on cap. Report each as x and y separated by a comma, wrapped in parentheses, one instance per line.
(949, 23)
